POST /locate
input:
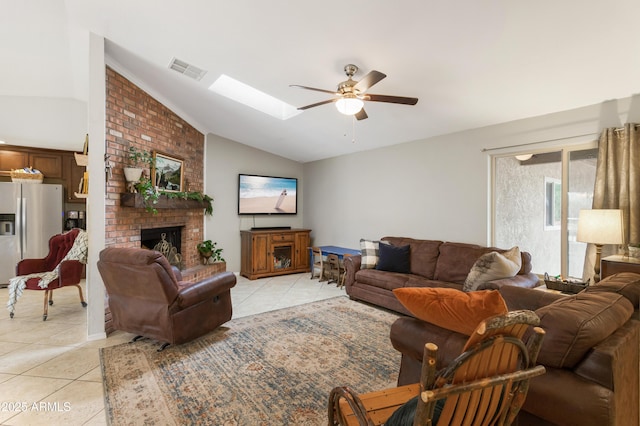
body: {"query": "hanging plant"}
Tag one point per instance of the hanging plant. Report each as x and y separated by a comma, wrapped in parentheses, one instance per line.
(198, 196)
(150, 195)
(140, 157)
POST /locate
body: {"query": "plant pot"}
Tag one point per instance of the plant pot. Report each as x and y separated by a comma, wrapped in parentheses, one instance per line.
(205, 257)
(132, 174)
(634, 252)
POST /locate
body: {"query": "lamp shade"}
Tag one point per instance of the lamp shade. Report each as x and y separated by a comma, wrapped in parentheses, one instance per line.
(600, 226)
(349, 105)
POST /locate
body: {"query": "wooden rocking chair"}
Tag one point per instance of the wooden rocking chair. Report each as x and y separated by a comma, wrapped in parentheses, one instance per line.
(486, 385)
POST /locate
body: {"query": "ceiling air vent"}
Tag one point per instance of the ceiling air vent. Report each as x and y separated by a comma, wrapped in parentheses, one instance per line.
(187, 69)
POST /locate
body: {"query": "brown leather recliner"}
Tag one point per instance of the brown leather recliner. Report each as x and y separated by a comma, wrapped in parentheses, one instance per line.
(147, 297)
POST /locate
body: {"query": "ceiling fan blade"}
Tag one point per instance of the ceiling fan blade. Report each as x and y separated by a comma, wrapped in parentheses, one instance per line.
(318, 104)
(361, 115)
(369, 80)
(390, 99)
(333, 92)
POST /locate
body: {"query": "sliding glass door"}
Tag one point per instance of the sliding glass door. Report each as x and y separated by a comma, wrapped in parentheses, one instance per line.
(581, 180)
(536, 200)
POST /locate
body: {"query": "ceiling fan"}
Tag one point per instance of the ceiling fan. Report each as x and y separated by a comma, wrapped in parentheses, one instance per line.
(351, 93)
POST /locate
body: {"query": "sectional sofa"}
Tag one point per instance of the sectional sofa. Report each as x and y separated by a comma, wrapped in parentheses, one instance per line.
(431, 263)
(590, 352)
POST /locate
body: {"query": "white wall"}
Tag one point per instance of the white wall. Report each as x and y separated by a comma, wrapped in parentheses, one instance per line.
(96, 219)
(409, 189)
(436, 188)
(224, 160)
(54, 123)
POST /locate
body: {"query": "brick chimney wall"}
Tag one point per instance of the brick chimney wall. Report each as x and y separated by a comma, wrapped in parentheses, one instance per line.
(135, 118)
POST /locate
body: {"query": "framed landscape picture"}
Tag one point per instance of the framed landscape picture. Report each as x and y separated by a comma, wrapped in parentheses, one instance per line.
(167, 173)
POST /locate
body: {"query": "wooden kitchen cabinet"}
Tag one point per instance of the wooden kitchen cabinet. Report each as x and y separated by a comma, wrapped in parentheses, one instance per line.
(47, 161)
(271, 252)
(57, 166)
(49, 164)
(11, 160)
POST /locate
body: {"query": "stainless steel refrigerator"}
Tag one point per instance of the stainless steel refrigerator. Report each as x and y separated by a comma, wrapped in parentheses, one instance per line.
(30, 214)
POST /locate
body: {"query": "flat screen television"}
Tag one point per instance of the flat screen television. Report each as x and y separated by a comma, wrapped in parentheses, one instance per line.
(267, 195)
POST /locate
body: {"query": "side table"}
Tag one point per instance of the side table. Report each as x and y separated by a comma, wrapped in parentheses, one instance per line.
(617, 263)
(544, 288)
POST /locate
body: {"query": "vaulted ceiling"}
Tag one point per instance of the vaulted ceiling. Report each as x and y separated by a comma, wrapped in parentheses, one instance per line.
(470, 63)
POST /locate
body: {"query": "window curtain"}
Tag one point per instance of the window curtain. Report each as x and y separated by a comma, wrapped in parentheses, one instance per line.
(617, 184)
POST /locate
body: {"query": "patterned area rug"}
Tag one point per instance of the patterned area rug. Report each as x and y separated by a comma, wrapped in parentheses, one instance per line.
(275, 368)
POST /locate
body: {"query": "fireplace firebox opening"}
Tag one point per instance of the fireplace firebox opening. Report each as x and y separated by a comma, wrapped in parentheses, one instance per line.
(166, 240)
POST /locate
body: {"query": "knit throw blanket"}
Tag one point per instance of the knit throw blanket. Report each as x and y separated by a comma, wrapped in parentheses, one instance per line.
(18, 284)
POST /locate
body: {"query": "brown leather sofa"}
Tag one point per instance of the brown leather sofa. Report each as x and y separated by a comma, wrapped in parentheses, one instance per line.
(590, 352)
(147, 296)
(433, 264)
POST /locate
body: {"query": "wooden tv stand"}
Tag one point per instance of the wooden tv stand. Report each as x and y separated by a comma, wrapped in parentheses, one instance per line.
(271, 252)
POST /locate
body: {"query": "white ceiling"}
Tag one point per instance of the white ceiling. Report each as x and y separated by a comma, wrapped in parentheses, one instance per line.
(471, 63)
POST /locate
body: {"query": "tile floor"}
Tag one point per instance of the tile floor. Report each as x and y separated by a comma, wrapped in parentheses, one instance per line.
(49, 372)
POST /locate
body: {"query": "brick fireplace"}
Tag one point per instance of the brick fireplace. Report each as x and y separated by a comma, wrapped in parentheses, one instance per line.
(135, 118)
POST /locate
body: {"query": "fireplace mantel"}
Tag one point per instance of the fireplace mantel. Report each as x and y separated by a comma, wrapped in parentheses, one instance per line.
(136, 201)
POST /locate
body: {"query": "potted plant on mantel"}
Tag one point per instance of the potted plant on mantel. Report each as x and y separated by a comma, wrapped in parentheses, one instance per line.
(137, 182)
(138, 161)
(151, 196)
(209, 252)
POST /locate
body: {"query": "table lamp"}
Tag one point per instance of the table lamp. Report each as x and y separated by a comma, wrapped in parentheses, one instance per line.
(600, 227)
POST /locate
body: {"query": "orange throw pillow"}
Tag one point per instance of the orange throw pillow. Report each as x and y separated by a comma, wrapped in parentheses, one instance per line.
(452, 309)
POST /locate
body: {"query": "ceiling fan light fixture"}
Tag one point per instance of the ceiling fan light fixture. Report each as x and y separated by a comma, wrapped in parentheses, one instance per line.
(351, 93)
(349, 106)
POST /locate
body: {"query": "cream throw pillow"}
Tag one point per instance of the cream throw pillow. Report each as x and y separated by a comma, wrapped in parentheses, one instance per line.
(493, 266)
(369, 251)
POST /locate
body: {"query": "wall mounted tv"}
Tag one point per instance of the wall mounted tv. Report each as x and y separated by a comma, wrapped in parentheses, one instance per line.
(267, 195)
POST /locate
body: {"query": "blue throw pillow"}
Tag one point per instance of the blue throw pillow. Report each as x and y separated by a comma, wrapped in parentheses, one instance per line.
(393, 258)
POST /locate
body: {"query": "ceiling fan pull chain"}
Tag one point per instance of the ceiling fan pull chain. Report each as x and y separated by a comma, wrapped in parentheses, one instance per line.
(353, 129)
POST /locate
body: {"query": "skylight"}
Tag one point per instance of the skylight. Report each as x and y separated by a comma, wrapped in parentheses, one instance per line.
(254, 98)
